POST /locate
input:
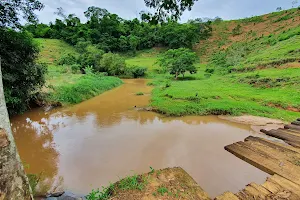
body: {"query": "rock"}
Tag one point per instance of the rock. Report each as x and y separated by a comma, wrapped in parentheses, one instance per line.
(69, 196)
(56, 194)
(51, 198)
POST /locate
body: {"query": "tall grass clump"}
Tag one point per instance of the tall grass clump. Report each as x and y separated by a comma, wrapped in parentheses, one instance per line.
(85, 88)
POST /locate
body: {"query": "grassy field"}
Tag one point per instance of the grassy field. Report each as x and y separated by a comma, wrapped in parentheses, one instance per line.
(62, 84)
(52, 49)
(265, 80)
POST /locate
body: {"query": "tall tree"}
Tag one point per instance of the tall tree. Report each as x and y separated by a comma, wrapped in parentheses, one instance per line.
(13, 181)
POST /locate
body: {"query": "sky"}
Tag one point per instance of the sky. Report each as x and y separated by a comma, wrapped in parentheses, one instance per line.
(129, 9)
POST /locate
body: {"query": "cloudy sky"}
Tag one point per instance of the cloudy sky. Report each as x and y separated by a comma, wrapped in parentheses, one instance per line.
(128, 9)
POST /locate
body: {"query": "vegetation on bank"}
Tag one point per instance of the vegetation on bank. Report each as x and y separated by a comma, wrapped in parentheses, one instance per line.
(152, 185)
(84, 88)
(258, 76)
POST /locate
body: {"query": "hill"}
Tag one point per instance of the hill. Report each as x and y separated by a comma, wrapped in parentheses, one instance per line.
(248, 66)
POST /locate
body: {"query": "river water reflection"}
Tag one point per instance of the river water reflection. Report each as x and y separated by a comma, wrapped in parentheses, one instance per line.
(96, 142)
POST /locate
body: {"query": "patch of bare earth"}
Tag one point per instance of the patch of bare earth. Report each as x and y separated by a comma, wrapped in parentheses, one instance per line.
(290, 65)
(257, 123)
(166, 184)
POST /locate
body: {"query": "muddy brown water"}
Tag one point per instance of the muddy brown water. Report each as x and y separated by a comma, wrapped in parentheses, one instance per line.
(103, 139)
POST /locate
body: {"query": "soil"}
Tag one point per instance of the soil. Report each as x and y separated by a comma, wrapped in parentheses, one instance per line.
(257, 123)
(179, 185)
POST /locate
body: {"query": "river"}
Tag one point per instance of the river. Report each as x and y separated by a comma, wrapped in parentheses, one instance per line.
(105, 138)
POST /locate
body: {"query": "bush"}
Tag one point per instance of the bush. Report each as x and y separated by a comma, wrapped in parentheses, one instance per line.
(67, 59)
(22, 77)
(91, 57)
(237, 30)
(75, 68)
(138, 71)
(219, 59)
(209, 70)
(113, 64)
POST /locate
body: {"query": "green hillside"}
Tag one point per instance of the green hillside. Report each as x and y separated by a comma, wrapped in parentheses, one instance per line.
(256, 71)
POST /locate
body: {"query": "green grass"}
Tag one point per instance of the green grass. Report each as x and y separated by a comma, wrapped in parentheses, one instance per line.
(224, 95)
(281, 50)
(84, 88)
(145, 59)
(53, 49)
(134, 182)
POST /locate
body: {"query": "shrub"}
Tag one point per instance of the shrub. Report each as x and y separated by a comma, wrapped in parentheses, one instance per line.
(237, 30)
(219, 59)
(67, 59)
(89, 70)
(113, 64)
(209, 70)
(139, 93)
(75, 68)
(138, 71)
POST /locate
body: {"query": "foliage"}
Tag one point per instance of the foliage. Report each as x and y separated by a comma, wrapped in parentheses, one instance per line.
(237, 30)
(22, 77)
(11, 9)
(139, 93)
(138, 71)
(178, 61)
(110, 33)
(75, 68)
(162, 190)
(67, 59)
(134, 182)
(105, 194)
(113, 64)
(34, 180)
(85, 87)
(168, 9)
(91, 57)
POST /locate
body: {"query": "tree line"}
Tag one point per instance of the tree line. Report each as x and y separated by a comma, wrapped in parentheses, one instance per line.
(112, 33)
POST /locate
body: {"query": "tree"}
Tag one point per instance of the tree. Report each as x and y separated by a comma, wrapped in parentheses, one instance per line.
(13, 181)
(22, 77)
(11, 10)
(178, 61)
(278, 9)
(165, 9)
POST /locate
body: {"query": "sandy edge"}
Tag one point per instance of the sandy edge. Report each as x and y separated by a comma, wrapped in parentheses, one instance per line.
(255, 122)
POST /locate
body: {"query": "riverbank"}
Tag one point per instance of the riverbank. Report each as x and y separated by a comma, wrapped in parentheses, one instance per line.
(64, 84)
